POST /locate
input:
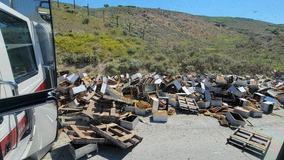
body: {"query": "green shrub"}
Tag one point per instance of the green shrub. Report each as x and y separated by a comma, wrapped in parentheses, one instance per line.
(69, 10)
(86, 21)
(120, 39)
(135, 64)
(131, 50)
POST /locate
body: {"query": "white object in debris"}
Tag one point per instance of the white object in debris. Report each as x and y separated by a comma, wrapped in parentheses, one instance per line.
(105, 79)
(139, 111)
(83, 75)
(177, 84)
(203, 105)
(158, 81)
(235, 91)
(272, 93)
(61, 78)
(156, 76)
(216, 102)
(258, 97)
(155, 104)
(103, 88)
(243, 102)
(160, 116)
(112, 92)
(94, 87)
(73, 104)
(235, 119)
(267, 107)
(72, 78)
(242, 111)
(79, 89)
(139, 75)
(241, 83)
(186, 90)
(129, 122)
(78, 152)
(255, 113)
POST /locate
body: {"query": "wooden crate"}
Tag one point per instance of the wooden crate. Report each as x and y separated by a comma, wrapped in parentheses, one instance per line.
(249, 140)
(121, 137)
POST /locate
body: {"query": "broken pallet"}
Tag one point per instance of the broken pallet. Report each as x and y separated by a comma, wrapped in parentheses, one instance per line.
(82, 135)
(249, 140)
(121, 137)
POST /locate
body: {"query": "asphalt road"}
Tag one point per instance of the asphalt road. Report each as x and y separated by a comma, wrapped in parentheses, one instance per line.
(185, 137)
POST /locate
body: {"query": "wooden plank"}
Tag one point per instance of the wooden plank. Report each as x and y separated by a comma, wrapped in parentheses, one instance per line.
(112, 111)
(91, 106)
(119, 132)
(259, 134)
(126, 137)
(78, 132)
(89, 96)
(71, 109)
(106, 135)
(248, 142)
(77, 140)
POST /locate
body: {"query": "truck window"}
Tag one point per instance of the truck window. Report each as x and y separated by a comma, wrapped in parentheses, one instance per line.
(19, 46)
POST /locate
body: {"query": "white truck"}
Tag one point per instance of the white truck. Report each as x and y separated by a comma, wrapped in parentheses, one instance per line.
(27, 65)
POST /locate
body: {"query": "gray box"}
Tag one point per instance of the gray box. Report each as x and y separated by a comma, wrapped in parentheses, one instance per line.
(77, 151)
(129, 122)
(140, 112)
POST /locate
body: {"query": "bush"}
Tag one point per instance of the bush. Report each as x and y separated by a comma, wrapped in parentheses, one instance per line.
(71, 11)
(86, 21)
(120, 39)
(135, 64)
(131, 50)
(160, 57)
(113, 68)
(124, 32)
(96, 33)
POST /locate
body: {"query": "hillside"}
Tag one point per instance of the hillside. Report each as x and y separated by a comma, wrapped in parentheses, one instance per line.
(121, 39)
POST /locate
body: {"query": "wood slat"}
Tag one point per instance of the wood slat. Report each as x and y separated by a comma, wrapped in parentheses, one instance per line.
(78, 132)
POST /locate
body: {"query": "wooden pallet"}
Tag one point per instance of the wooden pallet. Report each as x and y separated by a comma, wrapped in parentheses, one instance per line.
(82, 135)
(249, 140)
(187, 104)
(119, 136)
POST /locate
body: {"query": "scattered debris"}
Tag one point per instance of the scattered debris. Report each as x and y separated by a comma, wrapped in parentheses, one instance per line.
(100, 109)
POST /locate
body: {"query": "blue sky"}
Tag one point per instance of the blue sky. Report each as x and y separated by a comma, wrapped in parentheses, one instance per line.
(264, 10)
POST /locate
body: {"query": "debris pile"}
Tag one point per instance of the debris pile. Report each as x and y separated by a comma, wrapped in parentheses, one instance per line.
(103, 109)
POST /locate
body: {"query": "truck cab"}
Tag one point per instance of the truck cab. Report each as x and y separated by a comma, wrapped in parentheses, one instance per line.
(27, 65)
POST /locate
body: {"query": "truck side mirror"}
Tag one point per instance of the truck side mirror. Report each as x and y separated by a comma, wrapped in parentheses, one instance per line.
(44, 11)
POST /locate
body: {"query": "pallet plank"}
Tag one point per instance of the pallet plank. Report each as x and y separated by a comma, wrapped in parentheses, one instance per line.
(118, 135)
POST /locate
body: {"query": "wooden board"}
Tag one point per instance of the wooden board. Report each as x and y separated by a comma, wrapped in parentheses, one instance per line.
(249, 140)
(121, 137)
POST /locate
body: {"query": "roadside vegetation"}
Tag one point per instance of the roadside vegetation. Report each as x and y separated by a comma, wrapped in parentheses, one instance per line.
(116, 40)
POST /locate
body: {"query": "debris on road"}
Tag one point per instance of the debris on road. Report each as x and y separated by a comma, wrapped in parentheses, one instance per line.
(103, 109)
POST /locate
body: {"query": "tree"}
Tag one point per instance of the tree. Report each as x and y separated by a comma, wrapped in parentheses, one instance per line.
(106, 5)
